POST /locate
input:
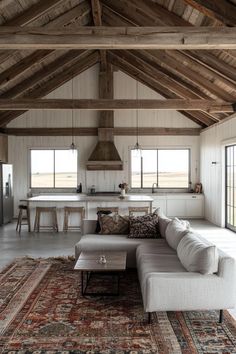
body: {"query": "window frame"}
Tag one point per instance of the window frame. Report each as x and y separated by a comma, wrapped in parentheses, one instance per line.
(159, 188)
(54, 165)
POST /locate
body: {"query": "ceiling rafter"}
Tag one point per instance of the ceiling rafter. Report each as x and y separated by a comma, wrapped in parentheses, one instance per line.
(198, 117)
(112, 14)
(84, 61)
(29, 16)
(80, 12)
(168, 18)
(220, 10)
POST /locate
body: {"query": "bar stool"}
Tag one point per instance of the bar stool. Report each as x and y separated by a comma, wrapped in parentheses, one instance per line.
(23, 208)
(139, 210)
(72, 210)
(50, 210)
(112, 209)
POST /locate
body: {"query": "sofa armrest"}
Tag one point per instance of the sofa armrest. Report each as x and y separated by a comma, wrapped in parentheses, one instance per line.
(227, 267)
(88, 226)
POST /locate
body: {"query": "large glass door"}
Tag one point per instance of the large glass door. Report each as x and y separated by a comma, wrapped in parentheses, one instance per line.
(230, 182)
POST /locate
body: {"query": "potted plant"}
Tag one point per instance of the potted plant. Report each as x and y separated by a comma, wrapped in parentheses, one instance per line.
(123, 188)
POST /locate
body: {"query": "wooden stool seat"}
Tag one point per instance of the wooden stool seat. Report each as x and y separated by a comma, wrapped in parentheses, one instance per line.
(72, 210)
(133, 210)
(22, 217)
(112, 209)
(41, 210)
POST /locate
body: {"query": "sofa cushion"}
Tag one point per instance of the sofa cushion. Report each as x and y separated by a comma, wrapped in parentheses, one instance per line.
(145, 226)
(175, 231)
(197, 254)
(163, 221)
(161, 248)
(114, 224)
(94, 242)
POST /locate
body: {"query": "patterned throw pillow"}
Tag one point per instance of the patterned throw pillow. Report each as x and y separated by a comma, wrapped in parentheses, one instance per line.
(115, 224)
(145, 226)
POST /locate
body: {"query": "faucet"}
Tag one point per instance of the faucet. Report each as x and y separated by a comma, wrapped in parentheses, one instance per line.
(153, 187)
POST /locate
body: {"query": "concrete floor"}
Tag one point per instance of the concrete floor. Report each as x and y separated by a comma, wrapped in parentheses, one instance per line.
(48, 244)
(44, 244)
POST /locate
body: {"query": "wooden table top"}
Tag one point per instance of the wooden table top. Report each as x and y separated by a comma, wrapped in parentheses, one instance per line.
(89, 261)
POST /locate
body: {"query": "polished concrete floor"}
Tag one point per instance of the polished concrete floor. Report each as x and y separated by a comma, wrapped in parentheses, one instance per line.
(48, 244)
(44, 244)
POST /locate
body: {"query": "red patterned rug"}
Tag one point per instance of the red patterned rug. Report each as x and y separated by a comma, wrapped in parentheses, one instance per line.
(42, 311)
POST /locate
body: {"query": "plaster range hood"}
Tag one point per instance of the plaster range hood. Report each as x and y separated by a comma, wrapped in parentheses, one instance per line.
(104, 157)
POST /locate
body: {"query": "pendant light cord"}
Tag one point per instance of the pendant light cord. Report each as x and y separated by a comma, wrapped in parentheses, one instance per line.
(72, 117)
(137, 111)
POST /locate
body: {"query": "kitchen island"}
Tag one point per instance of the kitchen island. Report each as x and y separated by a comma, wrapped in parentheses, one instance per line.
(89, 202)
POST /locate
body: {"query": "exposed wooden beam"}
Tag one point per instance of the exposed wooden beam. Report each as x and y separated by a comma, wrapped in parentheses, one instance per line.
(97, 19)
(80, 14)
(119, 13)
(119, 38)
(213, 63)
(23, 65)
(152, 79)
(43, 73)
(168, 60)
(30, 15)
(64, 74)
(34, 12)
(132, 8)
(119, 104)
(120, 131)
(221, 10)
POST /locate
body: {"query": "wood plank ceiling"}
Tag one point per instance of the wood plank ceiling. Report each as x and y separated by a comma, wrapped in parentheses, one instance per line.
(175, 74)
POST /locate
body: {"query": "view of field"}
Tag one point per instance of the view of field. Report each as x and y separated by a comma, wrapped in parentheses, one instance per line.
(62, 180)
(165, 180)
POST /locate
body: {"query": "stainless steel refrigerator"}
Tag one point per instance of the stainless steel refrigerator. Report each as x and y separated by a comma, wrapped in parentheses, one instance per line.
(6, 194)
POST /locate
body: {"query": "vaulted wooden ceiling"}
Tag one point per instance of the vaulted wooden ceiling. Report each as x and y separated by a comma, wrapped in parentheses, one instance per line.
(175, 74)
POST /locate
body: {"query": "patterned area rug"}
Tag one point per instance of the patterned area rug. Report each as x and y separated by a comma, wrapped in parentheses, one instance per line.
(42, 311)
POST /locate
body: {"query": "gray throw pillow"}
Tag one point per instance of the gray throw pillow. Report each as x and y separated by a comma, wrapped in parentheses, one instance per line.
(175, 231)
(197, 254)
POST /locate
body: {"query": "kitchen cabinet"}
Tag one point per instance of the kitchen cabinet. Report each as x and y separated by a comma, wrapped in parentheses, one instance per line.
(180, 205)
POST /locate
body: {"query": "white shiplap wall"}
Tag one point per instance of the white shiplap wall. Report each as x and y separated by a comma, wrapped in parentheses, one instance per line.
(213, 142)
(86, 86)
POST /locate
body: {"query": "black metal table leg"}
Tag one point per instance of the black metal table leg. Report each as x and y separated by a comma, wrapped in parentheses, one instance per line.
(82, 283)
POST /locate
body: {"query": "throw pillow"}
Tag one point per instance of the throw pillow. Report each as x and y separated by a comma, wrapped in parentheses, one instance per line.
(99, 213)
(115, 224)
(145, 226)
(197, 254)
(163, 222)
(175, 231)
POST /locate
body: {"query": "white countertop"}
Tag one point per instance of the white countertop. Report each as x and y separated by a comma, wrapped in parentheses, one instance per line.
(86, 198)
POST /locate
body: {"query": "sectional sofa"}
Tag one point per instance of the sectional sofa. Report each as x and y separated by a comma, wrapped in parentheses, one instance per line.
(179, 271)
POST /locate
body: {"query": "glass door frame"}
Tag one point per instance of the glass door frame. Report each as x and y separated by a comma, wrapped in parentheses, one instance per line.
(233, 206)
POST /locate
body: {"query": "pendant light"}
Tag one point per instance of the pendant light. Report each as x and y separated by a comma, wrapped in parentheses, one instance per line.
(137, 147)
(72, 145)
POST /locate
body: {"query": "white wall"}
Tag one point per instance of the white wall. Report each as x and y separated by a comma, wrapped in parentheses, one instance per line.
(86, 86)
(213, 141)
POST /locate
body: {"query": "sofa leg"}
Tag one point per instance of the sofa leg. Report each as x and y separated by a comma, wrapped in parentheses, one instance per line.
(221, 318)
(149, 317)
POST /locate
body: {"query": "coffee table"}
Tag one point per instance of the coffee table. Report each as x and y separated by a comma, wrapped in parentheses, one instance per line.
(88, 263)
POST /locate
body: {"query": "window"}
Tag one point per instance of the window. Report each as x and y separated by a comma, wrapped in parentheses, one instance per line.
(53, 168)
(169, 168)
(230, 187)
